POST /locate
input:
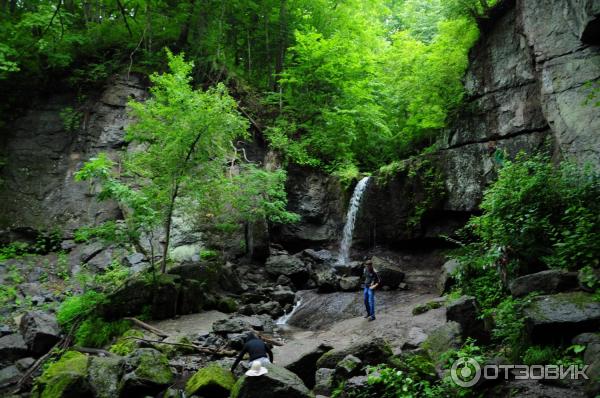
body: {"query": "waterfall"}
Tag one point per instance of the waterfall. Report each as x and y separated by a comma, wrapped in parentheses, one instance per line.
(286, 317)
(344, 255)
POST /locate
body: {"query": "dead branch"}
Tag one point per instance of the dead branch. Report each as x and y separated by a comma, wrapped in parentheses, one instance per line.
(204, 350)
(147, 327)
(93, 351)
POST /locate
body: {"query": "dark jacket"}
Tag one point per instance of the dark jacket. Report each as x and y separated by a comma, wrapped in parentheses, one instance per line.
(371, 277)
(256, 348)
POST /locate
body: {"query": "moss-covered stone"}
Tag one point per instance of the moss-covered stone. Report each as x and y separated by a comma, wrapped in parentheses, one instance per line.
(104, 376)
(66, 378)
(431, 305)
(171, 350)
(211, 381)
(148, 372)
(227, 305)
(372, 352)
(442, 339)
(125, 345)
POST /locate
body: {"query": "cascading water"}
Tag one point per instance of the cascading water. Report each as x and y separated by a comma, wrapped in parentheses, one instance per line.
(344, 255)
(286, 317)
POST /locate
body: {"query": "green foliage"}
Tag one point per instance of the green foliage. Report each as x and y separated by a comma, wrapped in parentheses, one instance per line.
(538, 355)
(125, 345)
(207, 254)
(96, 332)
(13, 250)
(509, 325)
(71, 119)
(77, 308)
(588, 277)
(543, 212)
(62, 374)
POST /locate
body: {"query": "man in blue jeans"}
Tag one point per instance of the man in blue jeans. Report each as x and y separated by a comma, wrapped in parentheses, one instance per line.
(371, 282)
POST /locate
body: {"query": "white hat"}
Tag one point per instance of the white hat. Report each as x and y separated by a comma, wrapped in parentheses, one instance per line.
(256, 369)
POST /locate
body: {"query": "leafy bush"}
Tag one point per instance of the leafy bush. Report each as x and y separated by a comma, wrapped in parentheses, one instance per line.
(78, 307)
(543, 213)
(96, 332)
(538, 355)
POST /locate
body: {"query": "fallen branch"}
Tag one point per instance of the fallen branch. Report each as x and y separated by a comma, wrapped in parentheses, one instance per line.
(93, 351)
(269, 340)
(204, 350)
(147, 327)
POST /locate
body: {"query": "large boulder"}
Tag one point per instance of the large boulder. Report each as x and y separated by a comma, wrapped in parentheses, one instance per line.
(40, 331)
(391, 275)
(371, 352)
(283, 295)
(277, 383)
(348, 367)
(148, 372)
(12, 347)
(565, 314)
(290, 266)
(324, 381)
(443, 338)
(104, 376)
(211, 381)
(306, 366)
(446, 278)
(9, 375)
(545, 282)
(350, 283)
(466, 313)
(327, 280)
(66, 378)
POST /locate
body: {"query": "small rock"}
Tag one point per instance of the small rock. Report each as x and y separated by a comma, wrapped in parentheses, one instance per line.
(24, 363)
(283, 295)
(283, 280)
(416, 337)
(12, 347)
(545, 282)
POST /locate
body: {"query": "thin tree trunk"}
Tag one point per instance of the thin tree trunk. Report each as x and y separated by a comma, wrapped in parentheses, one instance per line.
(122, 9)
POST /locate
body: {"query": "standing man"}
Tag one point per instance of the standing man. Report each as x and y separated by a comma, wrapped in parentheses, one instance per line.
(372, 281)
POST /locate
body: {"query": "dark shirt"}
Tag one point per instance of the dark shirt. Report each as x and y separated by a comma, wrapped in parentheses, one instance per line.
(256, 348)
(370, 277)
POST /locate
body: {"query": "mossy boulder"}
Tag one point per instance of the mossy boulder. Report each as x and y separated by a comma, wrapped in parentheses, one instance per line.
(104, 376)
(442, 339)
(66, 378)
(277, 383)
(212, 381)
(148, 372)
(227, 305)
(372, 352)
(565, 314)
(172, 350)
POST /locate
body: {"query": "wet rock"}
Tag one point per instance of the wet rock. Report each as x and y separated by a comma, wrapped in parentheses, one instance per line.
(283, 295)
(544, 282)
(320, 256)
(104, 376)
(237, 324)
(278, 382)
(327, 280)
(442, 339)
(5, 330)
(350, 283)
(354, 385)
(446, 279)
(148, 373)
(40, 331)
(229, 280)
(211, 381)
(465, 312)
(324, 381)
(391, 275)
(354, 268)
(290, 266)
(416, 337)
(165, 295)
(372, 352)
(227, 304)
(348, 367)
(9, 375)
(272, 308)
(192, 297)
(566, 314)
(128, 300)
(306, 366)
(203, 272)
(283, 280)
(12, 347)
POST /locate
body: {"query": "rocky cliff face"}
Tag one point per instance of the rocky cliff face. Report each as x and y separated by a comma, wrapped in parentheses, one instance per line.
(527, 86)
(41, 155)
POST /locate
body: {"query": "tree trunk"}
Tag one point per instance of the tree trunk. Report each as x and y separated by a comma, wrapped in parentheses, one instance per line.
(168, 221)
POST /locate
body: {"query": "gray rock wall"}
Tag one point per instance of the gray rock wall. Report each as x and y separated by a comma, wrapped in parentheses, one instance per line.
(41, 156)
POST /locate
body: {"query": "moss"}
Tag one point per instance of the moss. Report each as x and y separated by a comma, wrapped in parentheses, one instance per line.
(154, 367)
(171, 350)
(227, 305)
(124, 345)
(66, 377)
(423, 308)
(237, 387)
(212, 380)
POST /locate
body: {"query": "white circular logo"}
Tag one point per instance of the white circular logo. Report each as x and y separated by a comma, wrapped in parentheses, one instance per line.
(465, 372)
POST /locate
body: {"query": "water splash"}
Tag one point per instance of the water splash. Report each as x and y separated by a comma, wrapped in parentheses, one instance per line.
(286, 317)
(344, 255)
